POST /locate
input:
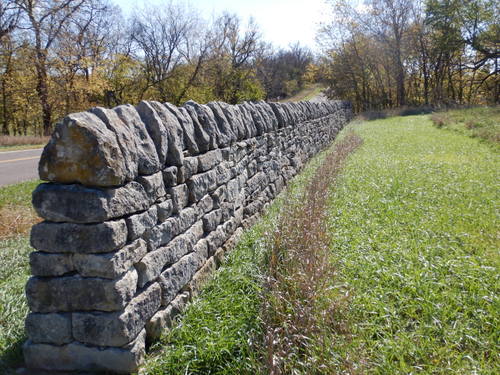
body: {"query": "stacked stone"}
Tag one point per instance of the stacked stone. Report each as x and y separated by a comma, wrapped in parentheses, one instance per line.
(141, 204)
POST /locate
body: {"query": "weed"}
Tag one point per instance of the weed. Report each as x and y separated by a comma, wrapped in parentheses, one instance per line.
(301, 301)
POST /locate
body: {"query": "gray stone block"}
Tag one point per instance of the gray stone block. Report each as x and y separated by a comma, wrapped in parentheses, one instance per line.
(156, 129)
(80, 357)
(165, 210)
(79, 238)
(180, 197)
(153, 185)
(82, 150)
(110, 265)
(170, 176)
(117, 328)
(209, 160)
(212, 220)
(71, 293)
(164, 318)
(140, 223)
(46, 264)
(54, 328)
(201, 184)
(79, 204)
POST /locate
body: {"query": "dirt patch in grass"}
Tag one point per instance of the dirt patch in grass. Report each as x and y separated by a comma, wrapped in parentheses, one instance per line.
(16, 220)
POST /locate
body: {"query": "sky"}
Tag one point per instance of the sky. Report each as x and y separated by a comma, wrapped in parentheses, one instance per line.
(282, 22)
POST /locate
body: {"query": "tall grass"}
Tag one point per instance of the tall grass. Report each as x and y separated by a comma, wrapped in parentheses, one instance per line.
(22, 140)
(301, 302)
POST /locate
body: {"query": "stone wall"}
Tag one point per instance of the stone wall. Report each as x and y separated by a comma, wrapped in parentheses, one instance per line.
(141, 204)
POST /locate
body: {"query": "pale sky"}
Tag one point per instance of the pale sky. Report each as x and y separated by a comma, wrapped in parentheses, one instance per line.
(282, 22)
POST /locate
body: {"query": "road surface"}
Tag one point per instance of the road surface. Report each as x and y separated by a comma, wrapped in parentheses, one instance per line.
(18, 166)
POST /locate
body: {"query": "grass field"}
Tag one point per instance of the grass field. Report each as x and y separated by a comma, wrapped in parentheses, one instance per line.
(477, 122)
(21, 142)
(16, 217)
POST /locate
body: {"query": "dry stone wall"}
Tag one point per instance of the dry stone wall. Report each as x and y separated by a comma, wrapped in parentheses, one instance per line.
(141, 204)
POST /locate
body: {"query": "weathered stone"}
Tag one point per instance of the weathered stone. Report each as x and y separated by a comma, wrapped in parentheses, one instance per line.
(156, 129)
(161, 234)
(189, 168)
(205, 117)
(209, 160)
(44, 264)
(139, 223)
(147, 158)
(174, 278)
(79, 204)
(165, 210)
(80, 357)
(170, 176)
(204, 205)
(125, 137)
(71, 293)
(212, 220)
(201, 277)
(187, 127)
(215, 239)
(149, 268)
(225, 128)
(153, 185)
(117, 328)
(82, 150)
(175, 134)
(110, 265)
(54, 328)
(187, 217)
(180, 197)
(79, 238)
(203, 140)
(201, 184)
(164, 318)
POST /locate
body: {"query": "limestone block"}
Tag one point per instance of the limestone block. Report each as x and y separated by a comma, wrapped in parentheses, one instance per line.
(201, 184)
(209, 160)
(201, 277)
(161, 233)
(215, 239)
(82, 150)
(225, 127)
(110, 265)
(45, 264)
(156, 129)
(175, 133)
(164, 318)
(206, 119)
(165, 210)
(212, 220)
(70, 293)
(79, 238)
(205, 204)
(147, 158)
(125, 137)
(140, 223)
(187, 127)
(170, 176)
(151, 265)
(173, 279)
(79, 204)
(153, 185)
(117, 328)
(202, 138)
(189, 168)
(180, 197)
(187, 218)
(52, 328)
(80, 357)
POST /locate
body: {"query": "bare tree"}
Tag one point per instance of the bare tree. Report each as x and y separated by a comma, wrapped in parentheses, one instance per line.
(45, 19)
(9, 16)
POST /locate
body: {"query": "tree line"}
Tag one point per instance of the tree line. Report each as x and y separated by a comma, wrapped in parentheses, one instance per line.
(389, 53)
(61, 56)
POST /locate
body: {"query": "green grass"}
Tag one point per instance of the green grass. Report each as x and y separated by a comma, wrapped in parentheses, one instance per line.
(477, 122)
(414, 226)
(18, 194)
(14, 272)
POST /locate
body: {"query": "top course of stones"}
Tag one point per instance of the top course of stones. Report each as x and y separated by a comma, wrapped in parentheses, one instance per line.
(110, 147)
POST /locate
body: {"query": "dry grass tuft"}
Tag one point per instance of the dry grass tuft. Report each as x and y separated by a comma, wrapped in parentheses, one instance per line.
(16, 220)
(21, 140)
(301, 307)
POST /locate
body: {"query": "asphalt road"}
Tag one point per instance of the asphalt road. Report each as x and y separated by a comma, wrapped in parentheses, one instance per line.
(18, 166)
